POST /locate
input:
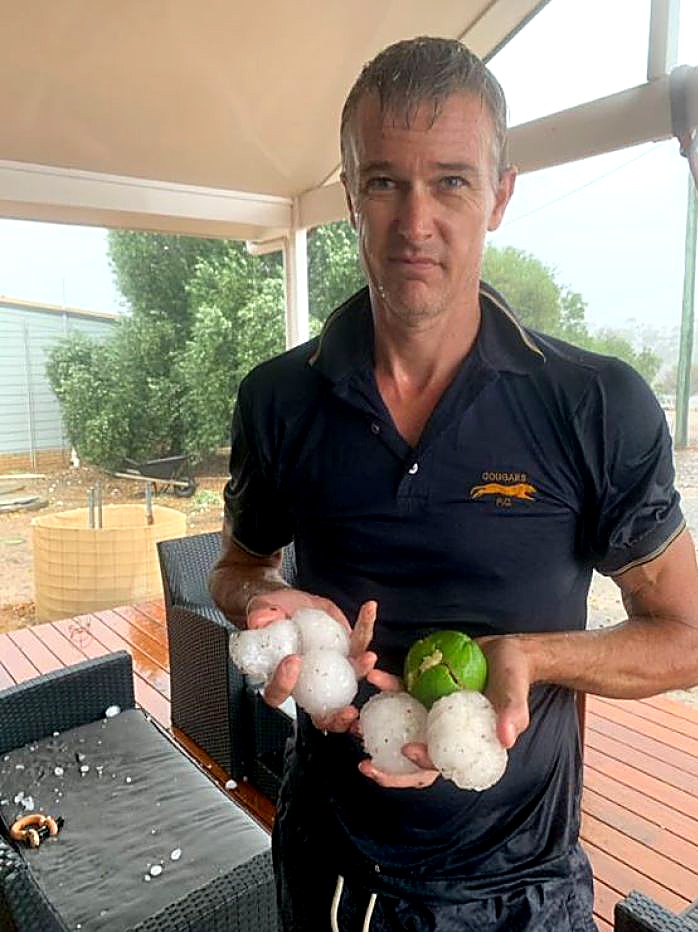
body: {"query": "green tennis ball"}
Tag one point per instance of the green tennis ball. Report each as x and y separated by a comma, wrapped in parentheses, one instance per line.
(443, 663)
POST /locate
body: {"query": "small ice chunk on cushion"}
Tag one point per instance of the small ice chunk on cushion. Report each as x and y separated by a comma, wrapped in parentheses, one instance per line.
(326, 682)
(462, 740)
(388, 721)
(257, 652)
(320, 631)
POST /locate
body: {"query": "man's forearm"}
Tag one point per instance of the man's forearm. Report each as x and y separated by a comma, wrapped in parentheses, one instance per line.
(232, 587)
(637, 658)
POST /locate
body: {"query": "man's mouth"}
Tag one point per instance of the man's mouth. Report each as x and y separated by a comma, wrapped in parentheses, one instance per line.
(417, 262)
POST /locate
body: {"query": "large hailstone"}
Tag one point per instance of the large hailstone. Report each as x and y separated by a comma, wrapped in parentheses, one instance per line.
(327, 682)
(258, 651)
(389, 720)
(320, 631)
(462, 740)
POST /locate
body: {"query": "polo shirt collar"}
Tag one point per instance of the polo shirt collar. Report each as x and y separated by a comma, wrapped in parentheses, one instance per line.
(345, 346)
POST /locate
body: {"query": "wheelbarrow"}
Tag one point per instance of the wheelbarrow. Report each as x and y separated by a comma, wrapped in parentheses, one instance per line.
(172, 472)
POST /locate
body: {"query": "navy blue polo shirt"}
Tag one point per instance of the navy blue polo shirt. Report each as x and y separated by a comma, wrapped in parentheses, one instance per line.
(540, 463)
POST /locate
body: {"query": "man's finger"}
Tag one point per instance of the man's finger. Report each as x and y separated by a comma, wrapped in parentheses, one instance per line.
(263, 616)
(509, 728)
(334, 611)
(512, 719)
(386, 682)
(364, 664)
(419, 780)
(419, 755)
(282, 684)
(339, 722)
(362, 635)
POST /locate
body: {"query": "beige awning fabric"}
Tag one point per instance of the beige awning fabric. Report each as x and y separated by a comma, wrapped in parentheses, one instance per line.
(210, 116)
(220, 117)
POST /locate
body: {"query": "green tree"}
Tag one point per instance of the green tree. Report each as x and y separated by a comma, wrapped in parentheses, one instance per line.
(153, 271)
(543, 304)
(528, 285)
(79, 371)
(202, 312)
(238, 322)
(120, 398)
(334, 270)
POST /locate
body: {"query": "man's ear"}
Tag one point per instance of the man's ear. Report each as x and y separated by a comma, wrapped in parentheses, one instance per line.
(348, 196)
(503, 193)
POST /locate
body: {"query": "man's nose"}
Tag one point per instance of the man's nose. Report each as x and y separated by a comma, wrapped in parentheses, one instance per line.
(415, 218)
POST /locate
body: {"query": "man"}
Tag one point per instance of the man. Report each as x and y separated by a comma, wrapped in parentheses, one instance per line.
(432, 458)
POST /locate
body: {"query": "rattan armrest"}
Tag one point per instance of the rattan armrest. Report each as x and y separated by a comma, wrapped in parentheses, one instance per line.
(638, 912)
(244, 898)
(23, 905)
(206, 690)
(64, 699)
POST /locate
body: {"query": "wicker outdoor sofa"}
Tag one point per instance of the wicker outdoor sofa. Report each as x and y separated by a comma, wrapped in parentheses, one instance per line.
(149, 842)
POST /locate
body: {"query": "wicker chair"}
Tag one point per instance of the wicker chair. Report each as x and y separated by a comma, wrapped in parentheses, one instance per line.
(131, 800)
(639, 913)
(212, 703)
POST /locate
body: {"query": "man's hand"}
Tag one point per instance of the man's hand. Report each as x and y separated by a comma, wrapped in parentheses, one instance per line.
(508, 683)
(415, 751)
(264, 609)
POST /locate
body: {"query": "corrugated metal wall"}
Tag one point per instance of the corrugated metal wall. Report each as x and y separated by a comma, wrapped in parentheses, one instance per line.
(30, 418)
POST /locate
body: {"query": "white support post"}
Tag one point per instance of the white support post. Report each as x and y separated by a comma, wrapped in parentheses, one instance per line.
(663, 46)
(296, 272)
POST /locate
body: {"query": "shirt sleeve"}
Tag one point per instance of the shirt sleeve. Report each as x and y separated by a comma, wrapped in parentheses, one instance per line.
(636, 510)
(257, 516)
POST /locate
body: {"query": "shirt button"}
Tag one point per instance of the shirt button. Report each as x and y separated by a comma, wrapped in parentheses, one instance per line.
(413, 469)
(375, 427)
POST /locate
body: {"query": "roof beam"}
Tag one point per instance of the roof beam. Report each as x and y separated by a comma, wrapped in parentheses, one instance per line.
(69, 195)
(498, 24)
(629, 118)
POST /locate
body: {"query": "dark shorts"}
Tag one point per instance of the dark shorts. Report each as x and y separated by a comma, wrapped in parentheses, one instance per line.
(306, 872)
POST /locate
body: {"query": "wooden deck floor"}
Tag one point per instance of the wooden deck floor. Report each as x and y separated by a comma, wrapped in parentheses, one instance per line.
(640, 806)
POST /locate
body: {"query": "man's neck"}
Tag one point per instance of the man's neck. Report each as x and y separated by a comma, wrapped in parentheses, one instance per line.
(415, 363)
(417, 355)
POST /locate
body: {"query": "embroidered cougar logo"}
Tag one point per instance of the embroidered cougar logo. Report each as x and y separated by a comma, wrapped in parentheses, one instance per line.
(524, 491)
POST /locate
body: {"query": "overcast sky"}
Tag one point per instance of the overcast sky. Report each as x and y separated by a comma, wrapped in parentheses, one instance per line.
(612, 227)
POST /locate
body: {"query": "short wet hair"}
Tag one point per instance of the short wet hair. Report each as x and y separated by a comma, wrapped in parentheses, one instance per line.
(412, 72)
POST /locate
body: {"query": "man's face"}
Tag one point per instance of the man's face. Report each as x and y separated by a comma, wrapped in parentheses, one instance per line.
(421, 199)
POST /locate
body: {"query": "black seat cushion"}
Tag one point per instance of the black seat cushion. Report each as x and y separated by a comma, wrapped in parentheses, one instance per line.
(140, 800)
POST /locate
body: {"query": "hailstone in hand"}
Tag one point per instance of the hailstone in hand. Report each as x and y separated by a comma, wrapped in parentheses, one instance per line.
(462, 740)
(327, 682)
(258, 652)
(320, 631)
(389, 720)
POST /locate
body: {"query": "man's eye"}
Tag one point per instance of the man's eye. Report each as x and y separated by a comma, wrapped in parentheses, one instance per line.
(380, 183)
(453, 182)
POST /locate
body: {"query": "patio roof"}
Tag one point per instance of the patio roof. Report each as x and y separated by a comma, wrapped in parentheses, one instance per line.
(238, 103)
(221, 119)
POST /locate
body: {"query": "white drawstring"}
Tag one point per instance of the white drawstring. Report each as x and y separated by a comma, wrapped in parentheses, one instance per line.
(369, 913)
(335, 902)
(335, 907)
